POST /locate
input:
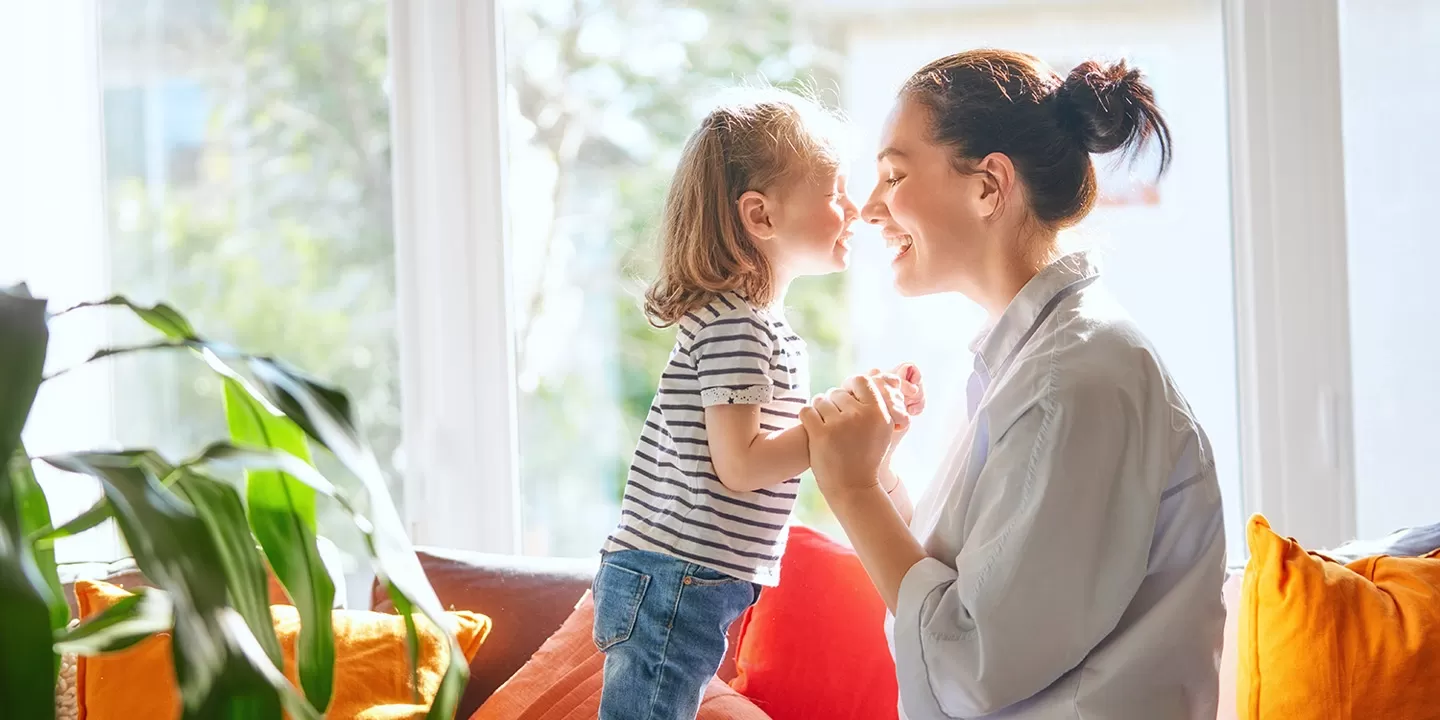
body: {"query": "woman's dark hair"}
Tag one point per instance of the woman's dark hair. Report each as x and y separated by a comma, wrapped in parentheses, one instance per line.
(997, 101)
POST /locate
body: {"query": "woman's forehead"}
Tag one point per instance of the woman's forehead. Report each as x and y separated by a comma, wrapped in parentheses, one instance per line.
(904, 128)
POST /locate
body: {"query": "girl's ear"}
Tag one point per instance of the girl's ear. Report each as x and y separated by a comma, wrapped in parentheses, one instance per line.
(755, 215)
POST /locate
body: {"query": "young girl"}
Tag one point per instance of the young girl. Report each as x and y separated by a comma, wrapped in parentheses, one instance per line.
(758, 200)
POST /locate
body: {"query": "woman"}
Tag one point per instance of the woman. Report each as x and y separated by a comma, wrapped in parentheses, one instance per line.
(1067, 562)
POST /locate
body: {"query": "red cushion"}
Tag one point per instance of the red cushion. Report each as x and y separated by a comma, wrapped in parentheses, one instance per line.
(814, 647)
(562, 681)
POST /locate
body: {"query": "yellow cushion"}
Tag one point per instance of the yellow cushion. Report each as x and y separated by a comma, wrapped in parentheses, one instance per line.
(372, 675)
(1318, 639)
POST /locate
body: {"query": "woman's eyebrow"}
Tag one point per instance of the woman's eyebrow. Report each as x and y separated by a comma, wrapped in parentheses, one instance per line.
(887, 152)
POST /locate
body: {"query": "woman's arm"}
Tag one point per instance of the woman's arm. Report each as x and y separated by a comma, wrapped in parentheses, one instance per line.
(1061, 519)
(1064, 510)
(898, 494)
(851, 433)
(912, 391)
(880, 535)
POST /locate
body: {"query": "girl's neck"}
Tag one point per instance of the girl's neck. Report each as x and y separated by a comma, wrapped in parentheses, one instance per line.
(777, 300)
(783, 279)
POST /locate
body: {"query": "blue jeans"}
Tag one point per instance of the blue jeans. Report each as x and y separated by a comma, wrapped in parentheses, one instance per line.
(662, 624)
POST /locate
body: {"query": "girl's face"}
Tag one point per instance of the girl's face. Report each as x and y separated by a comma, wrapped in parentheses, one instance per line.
(931, 215)
(810, 223)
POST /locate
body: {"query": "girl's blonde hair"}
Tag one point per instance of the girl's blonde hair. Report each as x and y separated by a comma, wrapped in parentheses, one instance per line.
(761, 142)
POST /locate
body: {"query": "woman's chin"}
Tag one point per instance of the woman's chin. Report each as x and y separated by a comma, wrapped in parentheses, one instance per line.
(906, 281)
(907, 289)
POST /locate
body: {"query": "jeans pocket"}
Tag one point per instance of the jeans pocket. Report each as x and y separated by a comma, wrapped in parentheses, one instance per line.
(618, 592)
(706, 576)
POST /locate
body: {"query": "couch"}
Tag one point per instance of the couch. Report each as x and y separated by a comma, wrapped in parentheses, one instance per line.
(528, 598)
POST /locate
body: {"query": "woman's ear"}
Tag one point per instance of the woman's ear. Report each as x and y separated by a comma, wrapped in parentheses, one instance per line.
(755, 215)
(997, 176)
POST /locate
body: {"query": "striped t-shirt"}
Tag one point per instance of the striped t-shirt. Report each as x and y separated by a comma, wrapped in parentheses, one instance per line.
(726, 352)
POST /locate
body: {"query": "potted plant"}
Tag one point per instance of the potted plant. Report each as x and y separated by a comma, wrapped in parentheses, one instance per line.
(204, 543)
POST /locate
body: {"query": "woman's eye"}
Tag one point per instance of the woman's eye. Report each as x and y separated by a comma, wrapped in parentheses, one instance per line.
(891, 181)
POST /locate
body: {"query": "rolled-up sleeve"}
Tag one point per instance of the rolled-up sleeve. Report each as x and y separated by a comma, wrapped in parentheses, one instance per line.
(1056, 540)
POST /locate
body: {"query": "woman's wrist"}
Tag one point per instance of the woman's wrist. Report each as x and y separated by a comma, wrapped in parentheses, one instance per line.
(880, 535)
(843, 501)
(888, 480)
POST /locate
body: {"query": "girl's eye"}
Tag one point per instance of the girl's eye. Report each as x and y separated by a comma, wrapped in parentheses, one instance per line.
(892, 181)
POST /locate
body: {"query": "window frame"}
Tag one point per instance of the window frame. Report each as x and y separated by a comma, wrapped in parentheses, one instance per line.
(1292, 316)
(457, 370)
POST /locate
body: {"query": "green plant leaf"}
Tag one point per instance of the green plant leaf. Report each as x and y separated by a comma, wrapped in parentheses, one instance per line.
(27, 677)
(327, 417)
(45, 537)
(121, 625)
(311, 405)
(219, 506)
(282, 516)
(229, 456)
(34, 515)
(160, 316)
(175, 550)
(246, 646)
(99, 512)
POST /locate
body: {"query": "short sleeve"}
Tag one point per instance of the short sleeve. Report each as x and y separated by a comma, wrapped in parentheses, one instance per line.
(734, 357)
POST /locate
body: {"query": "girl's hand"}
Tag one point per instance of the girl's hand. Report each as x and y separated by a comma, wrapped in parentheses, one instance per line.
(911, 387)
(850, 430)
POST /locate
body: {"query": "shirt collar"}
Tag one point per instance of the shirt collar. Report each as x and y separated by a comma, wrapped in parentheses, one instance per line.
(998, 340)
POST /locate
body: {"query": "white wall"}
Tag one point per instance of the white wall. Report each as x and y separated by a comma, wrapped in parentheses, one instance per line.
(1170, 263)
(1391, 110)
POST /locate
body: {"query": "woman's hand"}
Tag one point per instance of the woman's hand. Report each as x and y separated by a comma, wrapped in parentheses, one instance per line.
(850, 430)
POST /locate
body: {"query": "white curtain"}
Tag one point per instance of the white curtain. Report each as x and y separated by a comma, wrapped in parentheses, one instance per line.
(52, 231)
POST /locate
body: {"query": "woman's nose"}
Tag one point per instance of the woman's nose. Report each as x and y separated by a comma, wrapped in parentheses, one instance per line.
(875, 212)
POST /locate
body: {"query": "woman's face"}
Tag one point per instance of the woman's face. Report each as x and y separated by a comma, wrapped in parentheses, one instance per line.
(931, 215)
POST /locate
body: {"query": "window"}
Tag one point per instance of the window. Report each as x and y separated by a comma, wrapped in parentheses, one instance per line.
(1390, 154)
(600, 98)
(247, 156)
(247, 178)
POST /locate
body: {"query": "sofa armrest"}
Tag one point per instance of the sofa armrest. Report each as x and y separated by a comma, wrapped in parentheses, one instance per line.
(527, 598)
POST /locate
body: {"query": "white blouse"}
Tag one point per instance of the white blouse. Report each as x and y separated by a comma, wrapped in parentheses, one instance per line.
(1075, 536)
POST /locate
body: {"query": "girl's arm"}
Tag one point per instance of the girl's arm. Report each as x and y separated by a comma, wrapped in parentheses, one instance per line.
(748, 458)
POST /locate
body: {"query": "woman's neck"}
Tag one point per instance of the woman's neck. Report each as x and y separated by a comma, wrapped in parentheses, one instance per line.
(1014, 264)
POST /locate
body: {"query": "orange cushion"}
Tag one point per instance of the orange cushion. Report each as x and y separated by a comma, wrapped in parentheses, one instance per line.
(562, 681)
(372, 677)
(1318, 639)
(814, 646)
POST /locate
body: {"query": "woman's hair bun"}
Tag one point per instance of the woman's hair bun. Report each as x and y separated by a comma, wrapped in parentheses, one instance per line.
(1109, 107)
